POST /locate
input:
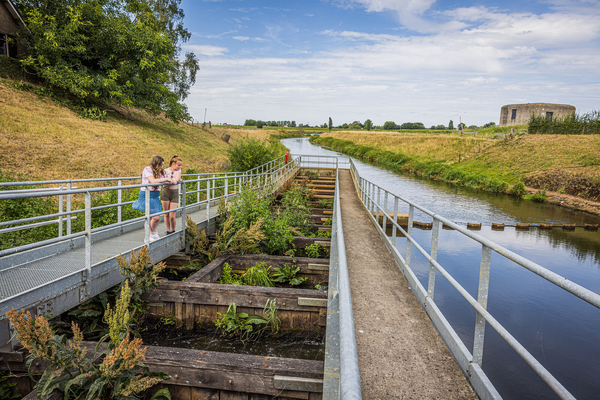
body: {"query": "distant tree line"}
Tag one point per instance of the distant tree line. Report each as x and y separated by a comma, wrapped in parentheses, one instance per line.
(259, 124)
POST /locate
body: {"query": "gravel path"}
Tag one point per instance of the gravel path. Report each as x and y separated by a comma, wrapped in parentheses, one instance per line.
(400, 354)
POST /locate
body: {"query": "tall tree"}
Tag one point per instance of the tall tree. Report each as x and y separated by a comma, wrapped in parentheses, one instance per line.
(368, 124)
(451, 125)
(106, 52)
(330, 124)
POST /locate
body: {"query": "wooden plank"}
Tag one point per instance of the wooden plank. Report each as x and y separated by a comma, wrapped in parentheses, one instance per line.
(226, 395)
(178, 311)
(323, 317)
(300, 319)
(189, 316)
(285, 317)
(180, 392)
(204, 394)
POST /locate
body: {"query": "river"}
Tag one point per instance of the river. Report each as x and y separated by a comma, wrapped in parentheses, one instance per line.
(561, 331)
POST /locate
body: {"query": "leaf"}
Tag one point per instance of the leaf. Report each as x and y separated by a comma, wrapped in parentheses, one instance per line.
(161, 394)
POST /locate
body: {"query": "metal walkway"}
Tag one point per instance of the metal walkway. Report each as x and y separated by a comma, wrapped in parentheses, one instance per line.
(55, 275)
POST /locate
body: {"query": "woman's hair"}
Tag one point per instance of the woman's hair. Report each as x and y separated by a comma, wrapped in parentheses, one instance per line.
(175, 159)
(156, 165)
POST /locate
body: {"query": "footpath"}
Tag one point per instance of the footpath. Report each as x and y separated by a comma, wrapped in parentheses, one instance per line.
(400, 353)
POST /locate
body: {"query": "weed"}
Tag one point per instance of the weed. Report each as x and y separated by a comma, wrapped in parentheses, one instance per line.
(325, 203)
(328, 221)
(539, 197)
(313, 250)
(518, 189)
(288, 274)
(5, 392)
(324, 234)
(229, 278)
(258, 275)
(245, 326)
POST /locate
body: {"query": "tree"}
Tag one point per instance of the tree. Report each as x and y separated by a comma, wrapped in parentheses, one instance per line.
(390, 125)
(330, 124)
(462, 126)
(451, 125)
(293, 124)
(249, 153)
(250, 122)
(111, 52)
(259, 125)
(489, 125)
(368, 124)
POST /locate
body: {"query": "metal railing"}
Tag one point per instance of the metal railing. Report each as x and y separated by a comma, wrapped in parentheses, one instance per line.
(206, 187)
(376, 200)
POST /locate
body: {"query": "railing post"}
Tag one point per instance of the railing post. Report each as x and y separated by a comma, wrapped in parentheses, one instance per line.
(147, 215)
(198, 189)
(183, 204)
(69, 209)
(60, 212)
(226, 188)
(207, 204)
(88, 244)
(482, 298)
(411, 213)
(435, 234)
(384, 214)
(378, 204)
(120, 200)
(395, 220)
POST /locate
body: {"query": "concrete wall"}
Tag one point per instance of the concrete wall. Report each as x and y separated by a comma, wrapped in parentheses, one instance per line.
(519, 114)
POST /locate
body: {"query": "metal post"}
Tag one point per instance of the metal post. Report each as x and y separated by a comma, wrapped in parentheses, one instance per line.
(395, 220)
(378, 204)
(435, 234)
(198, 190)
(60, 212)
(226, 188)
(120, 200)
(482, 298)
(88, 244)
(411, 213)
(69, 209)
(183, 218)
(207, 204)
(384, 214)
(147, 214)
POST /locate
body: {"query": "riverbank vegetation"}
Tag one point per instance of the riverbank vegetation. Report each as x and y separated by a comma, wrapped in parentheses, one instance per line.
(562, 163)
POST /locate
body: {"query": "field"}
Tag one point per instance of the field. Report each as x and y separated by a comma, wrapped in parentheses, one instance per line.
(562, 163)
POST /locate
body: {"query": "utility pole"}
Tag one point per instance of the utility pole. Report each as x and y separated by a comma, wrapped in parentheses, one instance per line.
(205, 116)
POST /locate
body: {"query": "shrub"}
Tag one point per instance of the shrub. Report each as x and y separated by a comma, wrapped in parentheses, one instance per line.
(518, 189)
(250, 153)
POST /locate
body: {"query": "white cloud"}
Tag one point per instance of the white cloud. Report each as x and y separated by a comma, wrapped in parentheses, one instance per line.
(206, 50)
(246, 38)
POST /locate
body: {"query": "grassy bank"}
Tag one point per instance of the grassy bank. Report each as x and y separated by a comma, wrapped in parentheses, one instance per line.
(567, 164)
(42, 139)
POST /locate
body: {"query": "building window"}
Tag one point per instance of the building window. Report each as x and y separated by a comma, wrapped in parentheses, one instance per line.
(549, 116)
(514, 114)
(3, 45)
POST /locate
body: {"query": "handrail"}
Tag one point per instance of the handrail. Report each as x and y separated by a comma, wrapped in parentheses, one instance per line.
(471, 364)
(349, 374)
(211, 185)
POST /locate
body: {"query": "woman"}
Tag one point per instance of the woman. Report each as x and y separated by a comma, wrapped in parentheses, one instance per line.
(169, 197)
(153, 173)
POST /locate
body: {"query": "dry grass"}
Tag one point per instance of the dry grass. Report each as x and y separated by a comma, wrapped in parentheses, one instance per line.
(520, 157)
(43, 140)
(430, 146)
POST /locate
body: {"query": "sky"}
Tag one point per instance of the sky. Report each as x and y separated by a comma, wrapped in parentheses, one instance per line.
(390, 60)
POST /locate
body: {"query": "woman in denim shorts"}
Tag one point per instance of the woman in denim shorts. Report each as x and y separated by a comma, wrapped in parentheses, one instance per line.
(169, 196)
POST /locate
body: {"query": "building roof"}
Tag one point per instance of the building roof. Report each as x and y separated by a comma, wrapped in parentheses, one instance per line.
(13, 11)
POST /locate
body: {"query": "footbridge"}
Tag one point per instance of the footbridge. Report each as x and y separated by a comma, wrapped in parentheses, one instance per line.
(412, 352)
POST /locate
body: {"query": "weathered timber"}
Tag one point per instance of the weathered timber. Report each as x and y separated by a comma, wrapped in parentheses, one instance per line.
(474, 226)
(401, 218)
(246, 374)
(497, 226)
(522, 227)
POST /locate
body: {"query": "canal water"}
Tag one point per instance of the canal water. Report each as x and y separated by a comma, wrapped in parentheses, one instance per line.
(561, 331)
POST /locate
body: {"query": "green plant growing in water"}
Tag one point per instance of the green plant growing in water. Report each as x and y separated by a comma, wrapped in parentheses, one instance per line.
(325, 203)
(232, 324)
(288, 274)
(539, 197)
(328, 221)
(258, 275)
(324, 234)
(518, 189)
(229, 278)
(313, 250)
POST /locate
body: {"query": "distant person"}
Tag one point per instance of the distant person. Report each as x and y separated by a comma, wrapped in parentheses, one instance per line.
(169, 197)
(153, 173)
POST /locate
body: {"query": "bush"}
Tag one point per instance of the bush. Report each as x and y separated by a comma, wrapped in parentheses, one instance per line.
(572, 124)
(518, 189)
(250, 153)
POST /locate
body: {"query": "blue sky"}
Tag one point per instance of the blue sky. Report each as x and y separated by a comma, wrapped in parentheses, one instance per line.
(390, 60)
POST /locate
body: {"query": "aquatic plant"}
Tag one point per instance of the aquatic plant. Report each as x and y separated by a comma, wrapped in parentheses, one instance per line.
(288, 274)
(258, 275)
(313, 250)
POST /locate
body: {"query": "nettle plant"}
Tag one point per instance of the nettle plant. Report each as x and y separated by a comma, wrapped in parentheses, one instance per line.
(248, 327)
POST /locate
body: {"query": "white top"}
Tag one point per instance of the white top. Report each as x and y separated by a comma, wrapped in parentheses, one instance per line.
(147, 172)
(172, 175)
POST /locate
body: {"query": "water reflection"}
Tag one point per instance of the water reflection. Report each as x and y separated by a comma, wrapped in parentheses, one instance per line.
(560, 330)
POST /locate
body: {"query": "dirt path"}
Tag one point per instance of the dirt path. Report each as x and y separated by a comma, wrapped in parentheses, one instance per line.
(400, 354)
